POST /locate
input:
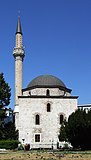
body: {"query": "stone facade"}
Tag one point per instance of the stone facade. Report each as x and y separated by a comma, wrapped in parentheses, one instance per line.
(49, 125)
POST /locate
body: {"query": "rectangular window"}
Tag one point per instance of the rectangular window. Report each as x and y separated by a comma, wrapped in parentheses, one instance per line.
(37, 138)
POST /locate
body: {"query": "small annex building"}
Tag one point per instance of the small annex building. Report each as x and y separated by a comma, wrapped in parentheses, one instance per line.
(41, 107)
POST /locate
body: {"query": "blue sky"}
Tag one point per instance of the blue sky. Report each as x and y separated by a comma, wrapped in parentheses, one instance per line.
(57, 41)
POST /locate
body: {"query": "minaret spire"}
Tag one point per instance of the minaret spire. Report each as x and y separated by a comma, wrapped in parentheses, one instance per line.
(18, 54)
(19, 29)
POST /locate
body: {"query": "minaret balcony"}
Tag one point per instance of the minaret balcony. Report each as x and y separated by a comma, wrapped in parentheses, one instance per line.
(18, 52)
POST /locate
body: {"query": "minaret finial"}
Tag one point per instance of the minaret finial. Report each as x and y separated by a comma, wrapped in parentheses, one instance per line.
(19, 13)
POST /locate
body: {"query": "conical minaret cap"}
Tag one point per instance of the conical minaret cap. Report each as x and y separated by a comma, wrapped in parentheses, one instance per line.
(18, 29)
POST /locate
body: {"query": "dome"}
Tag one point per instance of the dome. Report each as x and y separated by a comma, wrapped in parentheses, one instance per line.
(46, 80)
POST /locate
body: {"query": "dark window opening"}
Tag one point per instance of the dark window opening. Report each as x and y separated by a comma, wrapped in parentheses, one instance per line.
(47, 92)
(37, 138)
(37, 119)
(61, 118)
(48, 107)
(29, 93)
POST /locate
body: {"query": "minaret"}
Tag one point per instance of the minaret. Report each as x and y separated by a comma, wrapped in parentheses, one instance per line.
(18, 54)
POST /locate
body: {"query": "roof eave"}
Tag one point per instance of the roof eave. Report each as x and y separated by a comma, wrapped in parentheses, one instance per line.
(44, 96)
(45, 86)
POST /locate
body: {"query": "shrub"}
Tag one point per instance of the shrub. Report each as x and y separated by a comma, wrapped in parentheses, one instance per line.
(9, 144)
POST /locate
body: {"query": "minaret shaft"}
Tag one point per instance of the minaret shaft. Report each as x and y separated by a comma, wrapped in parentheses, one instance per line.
(18, 78)
(18, 40)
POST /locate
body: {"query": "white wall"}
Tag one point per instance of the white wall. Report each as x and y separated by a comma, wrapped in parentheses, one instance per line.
(49, 121)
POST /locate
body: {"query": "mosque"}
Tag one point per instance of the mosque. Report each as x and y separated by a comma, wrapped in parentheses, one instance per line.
(41, 107)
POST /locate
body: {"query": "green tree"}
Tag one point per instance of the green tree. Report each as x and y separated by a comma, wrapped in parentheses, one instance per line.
(63, 131)
(5, 93)
(78, 129)
(10, 132)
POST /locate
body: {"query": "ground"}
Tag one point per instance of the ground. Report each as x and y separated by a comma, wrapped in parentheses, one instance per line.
(40, 155)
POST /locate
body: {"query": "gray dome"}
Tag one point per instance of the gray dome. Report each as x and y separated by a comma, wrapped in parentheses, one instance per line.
(46, 80)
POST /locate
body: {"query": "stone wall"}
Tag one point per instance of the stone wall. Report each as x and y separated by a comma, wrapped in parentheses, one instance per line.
(49, 121)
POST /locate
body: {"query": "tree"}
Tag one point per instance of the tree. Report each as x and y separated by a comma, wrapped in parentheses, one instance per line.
(5, 93)
(78, 129)
(63, 133)
(10, 131)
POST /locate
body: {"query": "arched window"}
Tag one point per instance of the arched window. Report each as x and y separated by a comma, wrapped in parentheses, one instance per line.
(37, 119)
(29, 93)
(48, 107)
(47, 92)
(61, 118)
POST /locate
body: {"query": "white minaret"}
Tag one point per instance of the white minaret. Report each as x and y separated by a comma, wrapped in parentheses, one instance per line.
(18, 54)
